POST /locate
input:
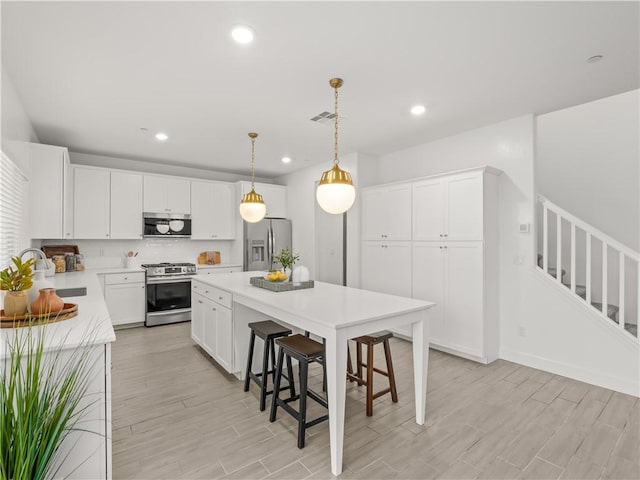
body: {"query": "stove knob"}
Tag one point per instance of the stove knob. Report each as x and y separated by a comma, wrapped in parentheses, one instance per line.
(158, 271)
(192, 269)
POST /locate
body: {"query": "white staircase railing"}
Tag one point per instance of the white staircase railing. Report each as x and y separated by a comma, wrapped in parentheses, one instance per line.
(556, 244)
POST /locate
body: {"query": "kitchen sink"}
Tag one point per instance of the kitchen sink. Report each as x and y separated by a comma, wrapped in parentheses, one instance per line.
(72, 292)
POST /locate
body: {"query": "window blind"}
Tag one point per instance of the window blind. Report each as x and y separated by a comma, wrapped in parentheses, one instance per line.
(13, 210)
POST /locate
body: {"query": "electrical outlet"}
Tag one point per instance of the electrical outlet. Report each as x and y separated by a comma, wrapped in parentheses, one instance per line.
(523, 331)
(102, 252)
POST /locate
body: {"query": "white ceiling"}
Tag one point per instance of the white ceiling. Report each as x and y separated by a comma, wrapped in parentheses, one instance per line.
(90, 75)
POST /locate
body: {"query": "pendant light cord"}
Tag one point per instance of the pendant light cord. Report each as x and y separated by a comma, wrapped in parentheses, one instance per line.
(335, 158)
(253, 162)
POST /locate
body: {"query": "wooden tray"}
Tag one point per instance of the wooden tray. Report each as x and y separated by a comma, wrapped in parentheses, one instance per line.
(51, 250)
(279, 286)
(69, 310)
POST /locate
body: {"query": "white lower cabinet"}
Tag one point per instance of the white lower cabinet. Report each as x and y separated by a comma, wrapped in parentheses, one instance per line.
(212, 322)
(384, 269)
(86, 451)
(451, 274)
(125, 294)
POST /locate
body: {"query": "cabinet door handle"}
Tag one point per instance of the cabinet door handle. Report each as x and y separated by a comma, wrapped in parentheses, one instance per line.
(213, 309)
(126, 278)
(219, 298)
(206, 291)
(199, 301)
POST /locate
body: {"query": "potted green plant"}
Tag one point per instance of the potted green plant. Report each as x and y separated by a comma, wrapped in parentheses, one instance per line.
(287, 259)
(16, 281)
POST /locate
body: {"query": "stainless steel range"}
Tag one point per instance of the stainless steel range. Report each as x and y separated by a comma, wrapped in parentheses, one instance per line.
(168, 292)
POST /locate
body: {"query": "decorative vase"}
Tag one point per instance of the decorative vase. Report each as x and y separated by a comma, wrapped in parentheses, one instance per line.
(39, 282)
(15, 303)
(47, 302)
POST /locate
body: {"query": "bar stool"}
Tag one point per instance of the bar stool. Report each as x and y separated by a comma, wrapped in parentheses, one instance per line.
(370, 341)
(268, 331)
(304, 350)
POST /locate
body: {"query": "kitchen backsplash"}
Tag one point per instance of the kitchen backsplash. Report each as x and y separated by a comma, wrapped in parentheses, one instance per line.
(111, 253)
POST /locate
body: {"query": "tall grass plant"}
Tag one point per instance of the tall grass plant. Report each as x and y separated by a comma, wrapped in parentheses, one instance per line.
(41, 402)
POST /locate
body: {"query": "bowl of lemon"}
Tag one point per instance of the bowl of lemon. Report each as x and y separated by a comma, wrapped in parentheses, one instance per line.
(276, 276)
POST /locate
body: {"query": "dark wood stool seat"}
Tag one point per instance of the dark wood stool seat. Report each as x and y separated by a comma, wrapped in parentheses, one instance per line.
(268, 331)
(370, 341)
(304, 350)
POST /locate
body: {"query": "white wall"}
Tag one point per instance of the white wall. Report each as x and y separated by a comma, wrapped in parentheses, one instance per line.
(587, 162)
(301, 199)
(17, 129)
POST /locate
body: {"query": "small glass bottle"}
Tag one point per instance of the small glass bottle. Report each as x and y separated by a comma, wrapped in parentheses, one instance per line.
(70, 261)
(60, 264)
(79, 262)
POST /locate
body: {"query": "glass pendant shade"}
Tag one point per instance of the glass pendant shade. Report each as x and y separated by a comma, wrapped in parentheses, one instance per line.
(252, 207)
(335, 193)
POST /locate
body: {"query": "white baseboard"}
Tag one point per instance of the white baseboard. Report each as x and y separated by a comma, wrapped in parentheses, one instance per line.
(573, 371)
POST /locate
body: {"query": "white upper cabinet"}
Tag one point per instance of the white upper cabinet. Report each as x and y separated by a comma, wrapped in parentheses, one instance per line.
(126, 205)
(91, 202)
(387, 212)
(449, 208)
(429, 209)
(107, 204)
(212, 211)
(50, 193)
(274, 196)
(166, 195)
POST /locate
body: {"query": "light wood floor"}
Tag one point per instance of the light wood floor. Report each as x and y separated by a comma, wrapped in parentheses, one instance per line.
(177, 415)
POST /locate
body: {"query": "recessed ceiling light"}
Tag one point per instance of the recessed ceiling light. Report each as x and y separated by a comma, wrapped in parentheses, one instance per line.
(595, 58)
(242, 34)
(163, 137)
(286, 159)
(418, 109)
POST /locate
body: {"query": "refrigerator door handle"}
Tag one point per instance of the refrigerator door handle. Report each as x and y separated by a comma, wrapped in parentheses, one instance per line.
(270, 248)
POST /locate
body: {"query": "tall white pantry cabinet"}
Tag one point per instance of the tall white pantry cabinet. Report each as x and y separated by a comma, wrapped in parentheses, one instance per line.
(450, 256)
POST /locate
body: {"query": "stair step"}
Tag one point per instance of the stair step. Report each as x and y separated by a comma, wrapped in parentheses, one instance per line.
(581, 290)
(553, 271)
(612, 310)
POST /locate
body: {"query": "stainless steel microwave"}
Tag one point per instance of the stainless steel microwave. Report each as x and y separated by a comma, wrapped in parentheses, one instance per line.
(155, 225)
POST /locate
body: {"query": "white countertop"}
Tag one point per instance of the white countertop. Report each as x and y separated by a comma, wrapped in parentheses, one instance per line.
(332, 306)
(218, 265)
(92, 325)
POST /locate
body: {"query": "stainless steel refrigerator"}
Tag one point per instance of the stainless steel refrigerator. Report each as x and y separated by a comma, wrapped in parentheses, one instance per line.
(264, 239)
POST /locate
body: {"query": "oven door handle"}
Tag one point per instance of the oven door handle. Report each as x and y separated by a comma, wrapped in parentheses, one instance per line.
(160, 280)
(169, 312)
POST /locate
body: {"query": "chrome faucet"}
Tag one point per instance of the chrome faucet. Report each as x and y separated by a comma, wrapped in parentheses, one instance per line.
(37, 253)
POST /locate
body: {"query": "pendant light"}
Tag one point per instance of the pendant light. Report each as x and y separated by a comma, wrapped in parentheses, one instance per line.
(252, 207)
(336, 193)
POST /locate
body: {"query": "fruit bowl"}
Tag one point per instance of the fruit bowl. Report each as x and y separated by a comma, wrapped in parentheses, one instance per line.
(276, 276)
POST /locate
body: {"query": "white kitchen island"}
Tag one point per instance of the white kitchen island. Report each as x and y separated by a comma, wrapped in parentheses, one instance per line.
(334, 312)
